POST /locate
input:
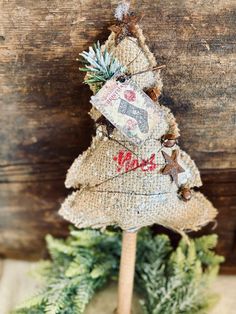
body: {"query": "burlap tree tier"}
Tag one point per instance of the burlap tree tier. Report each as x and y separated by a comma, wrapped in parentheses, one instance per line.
(131, 199)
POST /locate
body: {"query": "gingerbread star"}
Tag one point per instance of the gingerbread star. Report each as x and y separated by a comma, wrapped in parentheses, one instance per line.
(172, 168)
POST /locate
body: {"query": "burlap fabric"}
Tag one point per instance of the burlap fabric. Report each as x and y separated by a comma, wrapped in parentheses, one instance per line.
(136, 198)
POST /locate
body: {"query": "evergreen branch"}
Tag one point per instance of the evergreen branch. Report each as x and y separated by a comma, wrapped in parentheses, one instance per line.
(173, 281)
(178, 281)
(100, 65)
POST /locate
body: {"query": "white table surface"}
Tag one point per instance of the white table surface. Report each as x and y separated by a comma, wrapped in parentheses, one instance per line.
(16, 285)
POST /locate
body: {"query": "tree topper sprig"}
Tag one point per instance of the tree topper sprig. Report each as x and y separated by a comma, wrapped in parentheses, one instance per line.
(100, 65)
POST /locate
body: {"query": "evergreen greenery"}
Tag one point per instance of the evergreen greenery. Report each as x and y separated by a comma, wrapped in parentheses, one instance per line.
(100, 65)
(79, 266)
(170, 281)
(176, 281)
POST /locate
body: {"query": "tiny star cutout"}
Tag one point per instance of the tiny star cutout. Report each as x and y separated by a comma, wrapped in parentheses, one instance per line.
(172, 168)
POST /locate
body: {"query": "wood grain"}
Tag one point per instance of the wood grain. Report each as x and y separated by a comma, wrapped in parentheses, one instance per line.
(220, 187)
(44, 123)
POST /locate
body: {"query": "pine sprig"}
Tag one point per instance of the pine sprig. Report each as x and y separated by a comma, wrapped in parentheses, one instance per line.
(100, 65)
(173, 281)
(177, 281)
(79, 266)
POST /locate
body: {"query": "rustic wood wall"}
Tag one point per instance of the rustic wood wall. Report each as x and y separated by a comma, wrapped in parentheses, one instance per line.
(44, 122)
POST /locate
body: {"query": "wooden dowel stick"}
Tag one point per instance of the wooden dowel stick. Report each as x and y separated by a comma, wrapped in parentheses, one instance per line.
(126, 276)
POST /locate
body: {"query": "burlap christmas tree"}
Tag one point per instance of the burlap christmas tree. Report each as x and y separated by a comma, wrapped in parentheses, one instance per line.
(108, 192)
(125, 179)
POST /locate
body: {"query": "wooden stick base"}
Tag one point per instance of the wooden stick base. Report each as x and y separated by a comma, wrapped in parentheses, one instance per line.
(127, 268)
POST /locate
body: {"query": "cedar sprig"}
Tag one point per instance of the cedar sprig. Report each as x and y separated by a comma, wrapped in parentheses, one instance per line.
(170, 280)
(177, 281)
(79, 266)
(100, 65)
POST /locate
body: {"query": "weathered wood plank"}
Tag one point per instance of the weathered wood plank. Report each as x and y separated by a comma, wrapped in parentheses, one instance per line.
(44, 123)
(220, 187)
(28, 213)
(41, 41)
(25, 220)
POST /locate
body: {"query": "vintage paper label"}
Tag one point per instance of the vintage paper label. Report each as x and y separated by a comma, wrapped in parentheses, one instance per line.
(128, 108)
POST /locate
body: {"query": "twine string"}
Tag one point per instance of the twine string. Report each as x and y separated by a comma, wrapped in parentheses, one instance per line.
(130, 192)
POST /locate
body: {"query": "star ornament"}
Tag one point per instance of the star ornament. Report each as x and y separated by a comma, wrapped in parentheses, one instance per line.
(172, 168)
(125, 28)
